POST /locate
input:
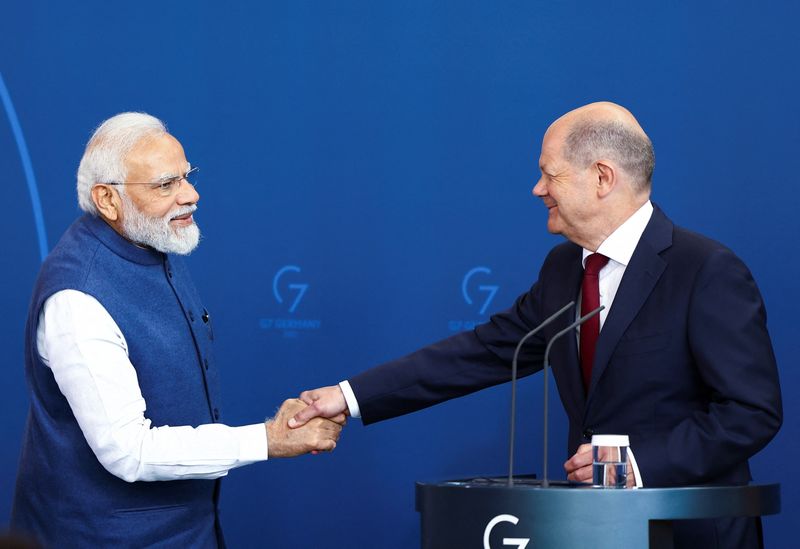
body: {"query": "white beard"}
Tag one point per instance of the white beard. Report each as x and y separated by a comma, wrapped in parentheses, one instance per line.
(156, 232)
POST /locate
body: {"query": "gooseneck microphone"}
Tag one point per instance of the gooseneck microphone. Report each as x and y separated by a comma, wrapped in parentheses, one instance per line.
(512, 423)
(566, 330)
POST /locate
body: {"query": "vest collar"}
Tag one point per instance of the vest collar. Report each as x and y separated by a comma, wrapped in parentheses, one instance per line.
(119, 245)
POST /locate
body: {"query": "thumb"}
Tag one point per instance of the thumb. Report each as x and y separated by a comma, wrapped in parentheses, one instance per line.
(303, 416)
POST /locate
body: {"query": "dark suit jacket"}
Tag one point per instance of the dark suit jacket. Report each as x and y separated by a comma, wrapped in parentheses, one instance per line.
(684, 363)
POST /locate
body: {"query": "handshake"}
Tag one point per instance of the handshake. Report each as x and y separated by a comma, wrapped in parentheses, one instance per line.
(309, 424)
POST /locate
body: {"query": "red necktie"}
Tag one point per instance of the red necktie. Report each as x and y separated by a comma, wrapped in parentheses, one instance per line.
(590, 300)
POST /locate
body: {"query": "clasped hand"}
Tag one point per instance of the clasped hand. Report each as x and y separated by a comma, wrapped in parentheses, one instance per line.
(316, 435)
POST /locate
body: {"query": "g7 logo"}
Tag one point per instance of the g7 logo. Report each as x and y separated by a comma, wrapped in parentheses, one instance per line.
(490, 290)
(520, 543)
(300, 288)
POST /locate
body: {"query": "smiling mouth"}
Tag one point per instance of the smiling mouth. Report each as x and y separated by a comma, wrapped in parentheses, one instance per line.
(182, 217)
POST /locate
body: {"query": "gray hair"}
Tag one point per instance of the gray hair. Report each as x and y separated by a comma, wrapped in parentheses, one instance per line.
(590, 140)
(104, 158)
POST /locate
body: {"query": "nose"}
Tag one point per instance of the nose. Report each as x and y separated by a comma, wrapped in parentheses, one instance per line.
(187, 194)
(540, 189)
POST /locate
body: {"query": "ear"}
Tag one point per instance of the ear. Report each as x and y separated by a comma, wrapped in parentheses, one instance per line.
(606, 178)
(107, 202)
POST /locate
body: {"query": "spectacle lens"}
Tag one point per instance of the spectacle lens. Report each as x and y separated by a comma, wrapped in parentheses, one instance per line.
(168, 187)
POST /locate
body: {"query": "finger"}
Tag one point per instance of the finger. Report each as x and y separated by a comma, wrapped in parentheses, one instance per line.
(582, 458)
(584, 474)
(321, 422)
(327, 429)
(336, 422)
(302, 417)
(326, 445)
(307, 397)
(332, 424)
(571, 471)
(334, 434)
(576, 462)
(631, 480)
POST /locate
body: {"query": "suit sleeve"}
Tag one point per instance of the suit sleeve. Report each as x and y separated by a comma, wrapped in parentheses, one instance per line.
(453, 367)
(728, 338)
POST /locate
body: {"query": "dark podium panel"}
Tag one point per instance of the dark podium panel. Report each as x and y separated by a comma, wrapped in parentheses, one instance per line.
(491, 515)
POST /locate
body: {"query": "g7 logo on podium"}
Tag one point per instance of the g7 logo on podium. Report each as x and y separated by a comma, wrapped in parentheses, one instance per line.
(300, 289)
(520, 543)
(490, 290)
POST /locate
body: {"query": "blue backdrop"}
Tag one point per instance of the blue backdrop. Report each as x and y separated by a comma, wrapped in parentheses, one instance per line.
(374, 154)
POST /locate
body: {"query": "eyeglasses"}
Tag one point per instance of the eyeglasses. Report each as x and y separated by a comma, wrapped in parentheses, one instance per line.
(169, 185)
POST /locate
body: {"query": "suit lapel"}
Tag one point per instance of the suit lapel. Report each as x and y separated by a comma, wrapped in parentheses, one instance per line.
(641, 276)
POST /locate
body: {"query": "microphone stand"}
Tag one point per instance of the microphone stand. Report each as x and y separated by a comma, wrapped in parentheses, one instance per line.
(547, 321)
(581, 320)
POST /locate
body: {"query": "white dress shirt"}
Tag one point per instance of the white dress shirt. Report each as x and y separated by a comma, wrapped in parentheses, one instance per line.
(618, 248)
(88, 355)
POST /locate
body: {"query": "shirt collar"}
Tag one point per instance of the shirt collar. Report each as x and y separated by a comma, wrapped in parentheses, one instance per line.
(620, 244)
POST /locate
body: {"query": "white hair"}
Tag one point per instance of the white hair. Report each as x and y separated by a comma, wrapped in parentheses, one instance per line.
(104, 158)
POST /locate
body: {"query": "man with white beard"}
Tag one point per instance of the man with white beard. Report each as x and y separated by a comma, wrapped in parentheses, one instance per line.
(120, 366)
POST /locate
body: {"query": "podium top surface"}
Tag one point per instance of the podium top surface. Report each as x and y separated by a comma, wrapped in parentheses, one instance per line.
(661, 503)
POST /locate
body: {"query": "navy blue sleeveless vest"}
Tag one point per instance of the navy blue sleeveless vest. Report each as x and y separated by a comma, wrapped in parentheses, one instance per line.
(64, 497)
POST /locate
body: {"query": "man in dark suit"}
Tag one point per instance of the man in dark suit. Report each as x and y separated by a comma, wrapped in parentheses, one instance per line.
(680, 359)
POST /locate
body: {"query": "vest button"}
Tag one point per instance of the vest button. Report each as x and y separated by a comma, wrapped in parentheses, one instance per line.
(216, 413)
(191, 316)
(205, 363)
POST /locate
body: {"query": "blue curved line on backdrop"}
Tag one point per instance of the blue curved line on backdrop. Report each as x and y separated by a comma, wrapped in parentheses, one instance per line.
(27, 166)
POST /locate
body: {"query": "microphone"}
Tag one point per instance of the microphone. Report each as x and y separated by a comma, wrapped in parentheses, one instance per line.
(547, 321)
(568, 329)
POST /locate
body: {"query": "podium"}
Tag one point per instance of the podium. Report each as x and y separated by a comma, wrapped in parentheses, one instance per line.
(490, 514)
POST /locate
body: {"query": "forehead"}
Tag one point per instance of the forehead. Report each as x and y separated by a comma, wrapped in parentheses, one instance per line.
(155, 157)
(552, 145)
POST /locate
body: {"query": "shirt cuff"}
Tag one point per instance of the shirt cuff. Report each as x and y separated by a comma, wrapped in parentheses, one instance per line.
(637, 476)
(253, 444)
(350, 399)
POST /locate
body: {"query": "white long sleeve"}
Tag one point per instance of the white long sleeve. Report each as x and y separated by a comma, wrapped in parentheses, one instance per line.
(88, 355)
